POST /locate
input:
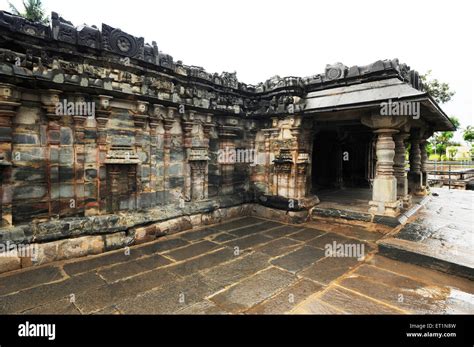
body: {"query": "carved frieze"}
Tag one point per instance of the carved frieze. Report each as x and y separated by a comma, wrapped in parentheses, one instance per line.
(117, 41)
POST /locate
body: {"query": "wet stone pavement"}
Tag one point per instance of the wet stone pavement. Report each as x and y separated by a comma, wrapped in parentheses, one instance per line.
(248, 265)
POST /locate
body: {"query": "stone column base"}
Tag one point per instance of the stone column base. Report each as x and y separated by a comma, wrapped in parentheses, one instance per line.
(406, 201)
(384, 197)
(391, 209)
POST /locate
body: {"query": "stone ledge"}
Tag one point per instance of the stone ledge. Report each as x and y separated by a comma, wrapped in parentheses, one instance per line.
(421, 254)
(356, 216)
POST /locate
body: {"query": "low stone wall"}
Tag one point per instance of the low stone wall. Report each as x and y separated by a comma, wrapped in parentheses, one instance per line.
(76, 237)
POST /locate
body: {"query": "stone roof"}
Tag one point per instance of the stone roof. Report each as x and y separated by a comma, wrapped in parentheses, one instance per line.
(116, 41)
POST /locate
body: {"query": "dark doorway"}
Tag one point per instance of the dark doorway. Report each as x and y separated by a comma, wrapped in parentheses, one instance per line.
(342, 158)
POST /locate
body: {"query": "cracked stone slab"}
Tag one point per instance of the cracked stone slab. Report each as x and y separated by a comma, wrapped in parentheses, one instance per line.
(306, 234)
(243, 266)
(254, 229)
(329, 268)
(203, 262)
(282, 231)
(299, 259)
(109, 294)
(247, 242)
(279, 247)
(328, 239)
(194, 235)
(30, 298)
(14, 282)
(192, 250)
(287, 300)
(170, 298)
(350, 302)
(63, 306)
(253, 290)
(132, 267)
(202, 307)
(239, 223)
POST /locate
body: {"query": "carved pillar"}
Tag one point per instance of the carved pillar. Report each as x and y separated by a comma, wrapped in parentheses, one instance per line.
(50, 99)
(414, 175)
(424, 158)
(102, 118)
(168, 123)
(140, 117)
(207, 128)
(384, 195)
(154, 122)
(79, 160)
(187, 124)
(399, 169)
(9, 103)
(267, 136)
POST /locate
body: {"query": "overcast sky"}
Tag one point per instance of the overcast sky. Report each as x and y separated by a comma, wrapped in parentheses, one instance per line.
(263, 38)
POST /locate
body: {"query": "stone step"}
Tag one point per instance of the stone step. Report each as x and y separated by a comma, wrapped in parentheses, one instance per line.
(451, 261)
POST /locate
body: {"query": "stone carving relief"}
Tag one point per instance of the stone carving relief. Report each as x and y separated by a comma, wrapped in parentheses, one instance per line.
(117, 41)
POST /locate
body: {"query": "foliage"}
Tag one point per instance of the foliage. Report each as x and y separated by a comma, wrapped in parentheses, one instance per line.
(33, 10)
(438, 90)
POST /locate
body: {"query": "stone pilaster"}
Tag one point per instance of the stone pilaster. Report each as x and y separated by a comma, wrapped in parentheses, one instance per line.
(140, 117)
(50, 100)
(154, 122)
(414, 175)
(168, 123)
(399, 169)
(187, 124)
(103, 112)
(9, 103)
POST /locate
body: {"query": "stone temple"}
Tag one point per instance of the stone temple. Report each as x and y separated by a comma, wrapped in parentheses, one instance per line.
(106, 142)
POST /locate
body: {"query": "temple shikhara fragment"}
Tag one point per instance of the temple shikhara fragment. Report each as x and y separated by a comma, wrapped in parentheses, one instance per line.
(105, 141)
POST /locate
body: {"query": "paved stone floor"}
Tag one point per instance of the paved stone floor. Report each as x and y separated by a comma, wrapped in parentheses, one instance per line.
(247, 265)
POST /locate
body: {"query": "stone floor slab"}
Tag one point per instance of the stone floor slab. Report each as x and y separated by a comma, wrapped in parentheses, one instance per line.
(193, 250)
(287, 300)
(253, 290)
(13, 282)
(299, 259)
(243, 266)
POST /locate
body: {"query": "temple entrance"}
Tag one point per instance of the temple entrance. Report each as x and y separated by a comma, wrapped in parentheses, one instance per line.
(343, 157)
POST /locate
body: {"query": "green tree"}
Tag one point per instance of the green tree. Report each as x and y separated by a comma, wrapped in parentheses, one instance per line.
(34, 11)
(441, 140)
(438, 90)
(468, 134)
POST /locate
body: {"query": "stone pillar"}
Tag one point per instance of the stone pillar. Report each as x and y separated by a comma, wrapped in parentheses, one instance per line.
(103, 112)
(424, 158)
(9, 103)
(140, 117)
(399, 169)
(154, 122)
(384, 195)
(267, 135)
(168, 123)
(207, 128)
(187, 124)
(414, 175)
(79, 161)
(50, 99)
